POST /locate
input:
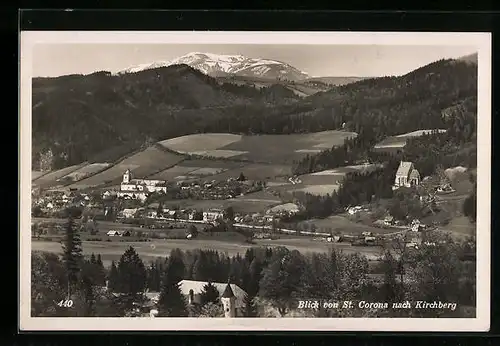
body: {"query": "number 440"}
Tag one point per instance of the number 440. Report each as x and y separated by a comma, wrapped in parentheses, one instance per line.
(65, 303)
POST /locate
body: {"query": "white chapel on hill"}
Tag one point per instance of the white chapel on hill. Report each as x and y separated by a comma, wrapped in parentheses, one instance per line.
(406, 175)
(139, 188)
(232, 297)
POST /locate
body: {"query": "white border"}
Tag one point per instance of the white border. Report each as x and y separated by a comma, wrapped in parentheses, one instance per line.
(480, 40)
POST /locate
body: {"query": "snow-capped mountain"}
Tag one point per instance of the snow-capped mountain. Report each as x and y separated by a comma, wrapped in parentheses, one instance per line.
(217, 65)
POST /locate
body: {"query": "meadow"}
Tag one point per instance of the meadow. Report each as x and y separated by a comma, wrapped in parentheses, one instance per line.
(51, 179)
(325, 182)
(260, 157)
(342, 225)
(141, 164)
(257, 148)
(200, 142)
(286, 148)
(149, 251)
(398, 142)
(85, 171)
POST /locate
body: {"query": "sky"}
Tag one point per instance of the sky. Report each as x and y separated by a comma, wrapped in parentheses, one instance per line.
(50, 60)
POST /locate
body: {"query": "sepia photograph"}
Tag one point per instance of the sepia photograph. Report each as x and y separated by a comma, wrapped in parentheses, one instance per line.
(255, 181)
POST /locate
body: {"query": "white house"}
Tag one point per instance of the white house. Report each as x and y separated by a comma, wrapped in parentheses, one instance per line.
(406, 175)
(232, 296)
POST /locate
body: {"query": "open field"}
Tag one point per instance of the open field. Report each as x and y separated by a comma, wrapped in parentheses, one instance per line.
(219, 153)
(397, 142)
(141, 164)
(210, 163)
(200, 142)
(460, 227)
(318, 190)
(325, 182)
(256, 171)
(256, 202)
(177, 172)
(342, 225)
(206, 171)
(250, 203)
(51, 179)
(85, 171)
(149, 251)
(192, 169)
(257, 148)
(286, 148)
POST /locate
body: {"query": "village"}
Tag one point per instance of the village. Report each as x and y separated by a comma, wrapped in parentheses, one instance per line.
(133, 204)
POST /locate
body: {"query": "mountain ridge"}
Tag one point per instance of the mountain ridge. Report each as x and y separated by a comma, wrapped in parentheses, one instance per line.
(217, 65)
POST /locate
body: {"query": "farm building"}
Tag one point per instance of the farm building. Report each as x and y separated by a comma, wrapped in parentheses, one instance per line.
(231, 295)
(406, 175)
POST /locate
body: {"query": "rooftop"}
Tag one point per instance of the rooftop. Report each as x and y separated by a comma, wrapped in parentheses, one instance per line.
(404, 168)
(228, 292)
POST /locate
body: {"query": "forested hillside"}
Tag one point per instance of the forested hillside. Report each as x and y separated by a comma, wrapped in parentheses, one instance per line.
(442, 95)
(78, 117)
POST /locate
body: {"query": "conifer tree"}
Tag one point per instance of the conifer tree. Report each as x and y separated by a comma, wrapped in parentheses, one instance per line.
(99, 261)
(132, 278)
(176, 263)
(210, 294)
(131, 273)
(113, 277)
(72, 255)
(171, 302)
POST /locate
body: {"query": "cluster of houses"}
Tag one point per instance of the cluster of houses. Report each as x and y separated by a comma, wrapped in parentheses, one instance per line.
(214, 190)
(209, 216)
(51, 202)
(140, 189)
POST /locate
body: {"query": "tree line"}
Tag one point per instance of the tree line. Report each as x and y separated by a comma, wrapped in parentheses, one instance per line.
(272, 277)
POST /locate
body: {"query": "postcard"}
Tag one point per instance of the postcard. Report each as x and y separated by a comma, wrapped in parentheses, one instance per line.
(255, 181)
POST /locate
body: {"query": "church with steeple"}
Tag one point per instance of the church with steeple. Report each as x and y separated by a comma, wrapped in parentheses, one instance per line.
(139, 188)
(232, 297)
(228, 300)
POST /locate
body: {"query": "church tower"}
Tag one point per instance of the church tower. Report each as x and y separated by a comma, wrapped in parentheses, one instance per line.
(127, 176)
(228, 300)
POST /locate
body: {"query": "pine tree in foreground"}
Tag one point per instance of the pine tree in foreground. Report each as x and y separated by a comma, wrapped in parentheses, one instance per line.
(113, 277)
(132, 276)
(172, 302)
(72, 255)
(210, 294)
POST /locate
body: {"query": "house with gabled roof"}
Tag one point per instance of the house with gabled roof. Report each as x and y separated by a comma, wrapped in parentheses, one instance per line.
(406, 175)
(231, 296)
